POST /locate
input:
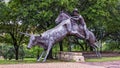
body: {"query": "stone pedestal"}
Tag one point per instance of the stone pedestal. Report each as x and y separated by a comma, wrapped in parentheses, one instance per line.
(71, 56)
(1, 57)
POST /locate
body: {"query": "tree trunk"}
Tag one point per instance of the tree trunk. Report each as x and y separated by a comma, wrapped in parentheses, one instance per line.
(69, 47)
(91, 48)
(81, 46)
(38, 54)
(78, 43)
(86, 46)
(16, 51)
(16, 47)
(61, 46)
(69, 44)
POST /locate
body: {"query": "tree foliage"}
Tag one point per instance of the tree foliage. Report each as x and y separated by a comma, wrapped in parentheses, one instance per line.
(36, 16)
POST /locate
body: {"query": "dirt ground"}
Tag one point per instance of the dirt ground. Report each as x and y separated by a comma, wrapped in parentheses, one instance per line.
(113, 64)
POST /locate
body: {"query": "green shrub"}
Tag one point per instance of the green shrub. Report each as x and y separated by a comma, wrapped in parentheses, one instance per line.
(8, 52)
(111, 46)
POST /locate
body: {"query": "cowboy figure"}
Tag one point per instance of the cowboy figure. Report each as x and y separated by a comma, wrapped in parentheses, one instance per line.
(80, 19)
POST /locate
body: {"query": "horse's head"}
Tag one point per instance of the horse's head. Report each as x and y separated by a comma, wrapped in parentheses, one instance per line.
(62, 16)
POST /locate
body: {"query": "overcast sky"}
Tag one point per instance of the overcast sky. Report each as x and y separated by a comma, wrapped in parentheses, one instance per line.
(6, 0)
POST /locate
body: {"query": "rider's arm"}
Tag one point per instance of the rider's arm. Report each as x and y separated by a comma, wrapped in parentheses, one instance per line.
(75, 17)
(82, 21)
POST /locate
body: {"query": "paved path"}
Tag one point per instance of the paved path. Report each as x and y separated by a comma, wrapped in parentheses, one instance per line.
(113, 64)
(51, 65)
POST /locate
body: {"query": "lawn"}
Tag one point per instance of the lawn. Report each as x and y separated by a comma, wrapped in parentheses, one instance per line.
(103, 59)
(33, 60)
(26, 60)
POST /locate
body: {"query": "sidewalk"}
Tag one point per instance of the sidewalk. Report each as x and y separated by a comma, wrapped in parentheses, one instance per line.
(51, 65)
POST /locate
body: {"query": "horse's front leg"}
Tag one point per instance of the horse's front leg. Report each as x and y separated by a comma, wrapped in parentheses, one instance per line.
(41, 55)
(74, 32)
(78, 34)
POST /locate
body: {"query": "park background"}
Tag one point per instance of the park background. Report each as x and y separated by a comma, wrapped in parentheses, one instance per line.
(36, 16)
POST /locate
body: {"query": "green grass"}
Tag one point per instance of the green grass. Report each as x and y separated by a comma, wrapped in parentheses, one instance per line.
(103, 59)
(26, 60)
(33, 60)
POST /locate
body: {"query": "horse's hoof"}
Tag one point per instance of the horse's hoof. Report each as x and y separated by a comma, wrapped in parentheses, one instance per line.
(38, 60)
(43, 61)
(99, 56)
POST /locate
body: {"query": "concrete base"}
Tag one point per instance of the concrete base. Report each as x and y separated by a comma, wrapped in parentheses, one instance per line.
(1, 57)
(71, 56)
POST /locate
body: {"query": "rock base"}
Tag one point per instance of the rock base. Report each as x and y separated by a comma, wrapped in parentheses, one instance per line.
(1, 57)
(71, 56)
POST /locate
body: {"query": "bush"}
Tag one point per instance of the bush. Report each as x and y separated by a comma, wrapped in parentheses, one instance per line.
(111, 46)
(8, 52)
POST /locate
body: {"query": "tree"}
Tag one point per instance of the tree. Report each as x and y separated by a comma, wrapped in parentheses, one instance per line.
(38, 16)
(30, 16)
(102, 17)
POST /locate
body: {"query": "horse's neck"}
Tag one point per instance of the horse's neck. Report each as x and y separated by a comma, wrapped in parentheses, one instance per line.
(65, 21)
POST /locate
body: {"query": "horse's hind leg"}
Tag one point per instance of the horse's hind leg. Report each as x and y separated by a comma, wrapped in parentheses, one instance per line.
(96, 50)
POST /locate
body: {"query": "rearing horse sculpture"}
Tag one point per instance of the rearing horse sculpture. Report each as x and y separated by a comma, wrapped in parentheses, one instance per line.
(75, 27)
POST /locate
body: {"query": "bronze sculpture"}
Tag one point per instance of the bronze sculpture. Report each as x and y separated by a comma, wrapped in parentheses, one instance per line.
(66, 27)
